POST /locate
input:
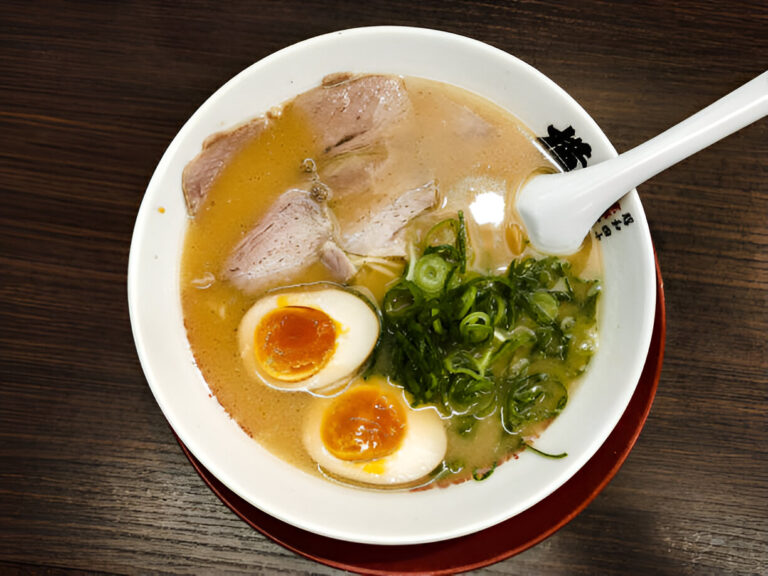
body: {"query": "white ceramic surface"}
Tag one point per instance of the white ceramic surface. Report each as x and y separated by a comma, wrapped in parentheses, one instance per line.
(309, 502)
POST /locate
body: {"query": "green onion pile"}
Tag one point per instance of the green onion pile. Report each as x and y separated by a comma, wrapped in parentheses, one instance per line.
(475, 345)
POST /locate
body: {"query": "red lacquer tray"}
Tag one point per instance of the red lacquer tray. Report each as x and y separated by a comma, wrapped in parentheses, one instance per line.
(495, 543)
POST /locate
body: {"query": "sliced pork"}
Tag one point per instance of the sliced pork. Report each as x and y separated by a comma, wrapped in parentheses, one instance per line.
(348, 112)
(295, 233)
(365, 129)
(218, 149)
(337, 261)
(377, 232)
(366, 184)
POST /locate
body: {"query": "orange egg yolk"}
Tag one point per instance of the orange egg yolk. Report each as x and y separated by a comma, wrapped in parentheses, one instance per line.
(364, 423)
(294, 342)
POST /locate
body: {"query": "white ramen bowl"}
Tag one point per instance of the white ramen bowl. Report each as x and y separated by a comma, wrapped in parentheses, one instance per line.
(308, 501)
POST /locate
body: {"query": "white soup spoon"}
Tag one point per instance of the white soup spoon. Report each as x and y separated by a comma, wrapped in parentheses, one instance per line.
(558, 210)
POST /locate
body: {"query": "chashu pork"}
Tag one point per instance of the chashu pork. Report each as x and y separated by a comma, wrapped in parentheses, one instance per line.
(364, 126)
(359, 121)
(294, 233)
(378, 231)
(218, 149)
(349, 112)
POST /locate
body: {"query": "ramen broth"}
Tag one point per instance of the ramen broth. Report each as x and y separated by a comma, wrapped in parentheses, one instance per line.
(477, 158)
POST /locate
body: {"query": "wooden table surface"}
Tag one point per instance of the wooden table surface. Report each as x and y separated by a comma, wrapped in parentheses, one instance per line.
(91, 93)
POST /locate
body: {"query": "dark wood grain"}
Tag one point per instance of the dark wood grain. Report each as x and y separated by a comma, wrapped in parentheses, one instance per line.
(91, 93)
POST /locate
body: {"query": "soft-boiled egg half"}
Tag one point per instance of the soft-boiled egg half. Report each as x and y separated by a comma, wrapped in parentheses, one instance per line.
(310, 338)
(369, 434)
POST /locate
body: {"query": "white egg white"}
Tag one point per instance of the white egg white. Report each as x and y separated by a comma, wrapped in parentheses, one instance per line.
(422, 448)
(357, 332)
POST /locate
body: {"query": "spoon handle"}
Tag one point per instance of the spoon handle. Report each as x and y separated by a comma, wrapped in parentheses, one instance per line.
(559, 209)
(731, 113)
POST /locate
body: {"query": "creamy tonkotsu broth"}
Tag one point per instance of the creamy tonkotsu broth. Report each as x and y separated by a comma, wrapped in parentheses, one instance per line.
(358, 156)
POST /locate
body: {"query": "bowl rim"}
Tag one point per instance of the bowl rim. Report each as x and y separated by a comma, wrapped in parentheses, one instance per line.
(189, 433)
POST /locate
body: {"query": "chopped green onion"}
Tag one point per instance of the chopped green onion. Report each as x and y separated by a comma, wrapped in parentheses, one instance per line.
(461, 243)
(485, 474)
(460, 362)
(401, 299)
(545, 454)
(520, 336)
(492, 348)
(448, 238)
(466, 301)
(545, 306)
(444, 233)
(476, 327)
(430, 273)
